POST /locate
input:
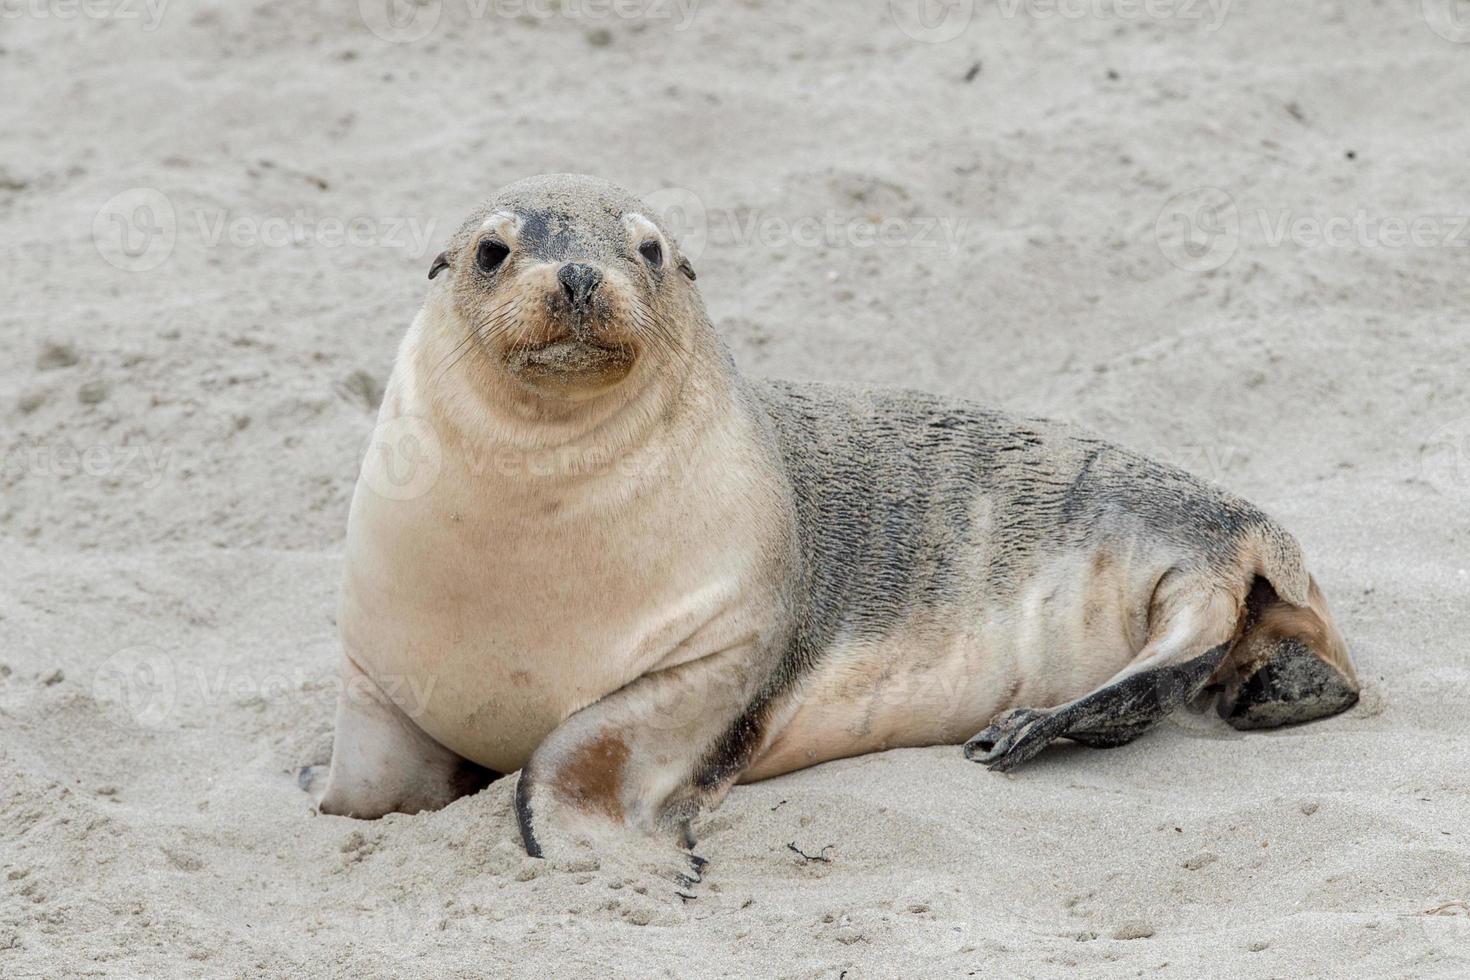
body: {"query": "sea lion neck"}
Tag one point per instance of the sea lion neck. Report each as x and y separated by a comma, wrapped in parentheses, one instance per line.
(531, 439)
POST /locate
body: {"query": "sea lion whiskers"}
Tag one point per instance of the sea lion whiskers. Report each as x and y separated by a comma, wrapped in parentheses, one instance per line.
(459, 349)
(662, 336)
(481, 334)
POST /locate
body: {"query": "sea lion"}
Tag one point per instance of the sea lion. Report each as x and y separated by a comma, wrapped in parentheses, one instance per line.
(639, 578)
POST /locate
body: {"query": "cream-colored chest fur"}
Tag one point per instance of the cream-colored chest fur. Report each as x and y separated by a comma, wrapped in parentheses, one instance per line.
(500, 601)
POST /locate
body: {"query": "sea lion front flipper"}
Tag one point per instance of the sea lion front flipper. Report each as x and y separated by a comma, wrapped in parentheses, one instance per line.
(382, 762)
(630, 772)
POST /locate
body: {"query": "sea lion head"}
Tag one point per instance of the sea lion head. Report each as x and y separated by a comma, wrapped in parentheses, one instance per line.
(570, 285)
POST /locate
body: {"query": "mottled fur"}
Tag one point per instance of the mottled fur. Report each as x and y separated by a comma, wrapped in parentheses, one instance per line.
(910, 503)
(887, 481)
(756, 576)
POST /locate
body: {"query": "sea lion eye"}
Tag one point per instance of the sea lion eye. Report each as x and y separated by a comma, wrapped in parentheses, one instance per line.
(652, 253)
(490, 254)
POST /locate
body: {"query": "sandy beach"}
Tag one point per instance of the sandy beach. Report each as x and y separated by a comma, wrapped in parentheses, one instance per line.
(1235, 235)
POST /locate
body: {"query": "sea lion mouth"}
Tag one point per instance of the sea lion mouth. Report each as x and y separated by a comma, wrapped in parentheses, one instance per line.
(570, 351)
(569, 357)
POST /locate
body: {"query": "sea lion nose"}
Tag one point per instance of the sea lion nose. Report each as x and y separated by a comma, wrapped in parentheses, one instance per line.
(578, 280)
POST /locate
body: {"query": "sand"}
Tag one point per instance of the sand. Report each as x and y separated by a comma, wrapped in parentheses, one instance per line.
(217, 224)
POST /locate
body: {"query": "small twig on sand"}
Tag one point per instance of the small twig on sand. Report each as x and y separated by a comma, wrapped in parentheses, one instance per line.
(819, 856)
(1450, 908)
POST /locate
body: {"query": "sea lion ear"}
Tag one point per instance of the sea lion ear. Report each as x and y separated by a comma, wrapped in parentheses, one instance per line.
(687, 269)
(441, 262)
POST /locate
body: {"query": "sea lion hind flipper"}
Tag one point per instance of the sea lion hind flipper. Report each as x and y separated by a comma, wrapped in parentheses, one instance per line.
(1289, 666)
(1191, 633)
(1109, 738)
(1114, 714)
